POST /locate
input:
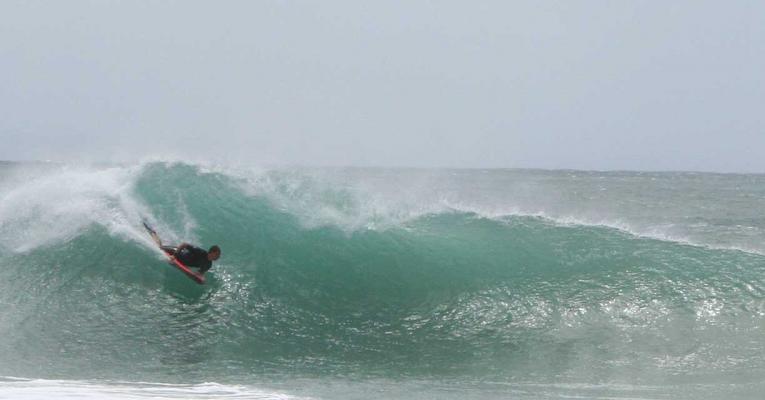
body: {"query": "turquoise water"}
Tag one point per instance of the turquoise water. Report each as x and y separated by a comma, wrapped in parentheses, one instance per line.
(378, 283)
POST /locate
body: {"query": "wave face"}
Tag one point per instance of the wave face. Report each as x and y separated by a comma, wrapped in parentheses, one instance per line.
(504, 276)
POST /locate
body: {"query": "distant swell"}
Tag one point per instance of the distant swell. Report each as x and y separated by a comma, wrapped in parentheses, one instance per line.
(317, 280)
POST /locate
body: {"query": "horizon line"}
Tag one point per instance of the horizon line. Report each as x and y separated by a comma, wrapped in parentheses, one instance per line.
(399, 167)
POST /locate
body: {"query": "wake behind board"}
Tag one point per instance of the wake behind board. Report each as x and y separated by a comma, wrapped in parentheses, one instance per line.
(196, 277)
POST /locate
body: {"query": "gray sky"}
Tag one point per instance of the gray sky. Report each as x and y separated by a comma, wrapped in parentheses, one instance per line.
(569, 84)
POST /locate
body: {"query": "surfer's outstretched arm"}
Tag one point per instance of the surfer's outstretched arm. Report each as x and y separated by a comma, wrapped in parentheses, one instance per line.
(153, 234)
(156, 239)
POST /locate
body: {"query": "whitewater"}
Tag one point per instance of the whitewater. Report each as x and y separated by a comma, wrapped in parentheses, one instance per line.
(375, 283)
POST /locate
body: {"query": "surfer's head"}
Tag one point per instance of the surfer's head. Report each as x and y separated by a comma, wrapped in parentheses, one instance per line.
(214, 253)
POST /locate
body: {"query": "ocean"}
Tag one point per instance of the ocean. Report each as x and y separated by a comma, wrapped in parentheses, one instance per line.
(375, 283)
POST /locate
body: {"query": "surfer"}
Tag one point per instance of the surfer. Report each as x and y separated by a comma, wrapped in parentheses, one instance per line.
(193, 256)
(188, 255)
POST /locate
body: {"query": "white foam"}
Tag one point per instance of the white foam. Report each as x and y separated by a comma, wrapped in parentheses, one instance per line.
(43, 389)
(58, 203)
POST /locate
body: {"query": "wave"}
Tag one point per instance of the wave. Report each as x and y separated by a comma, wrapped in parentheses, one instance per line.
(322, 274)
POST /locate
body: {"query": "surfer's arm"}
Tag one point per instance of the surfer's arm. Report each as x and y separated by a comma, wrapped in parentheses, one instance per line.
(156, 239)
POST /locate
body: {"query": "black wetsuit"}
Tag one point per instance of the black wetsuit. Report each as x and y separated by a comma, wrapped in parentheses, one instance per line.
(191, 256)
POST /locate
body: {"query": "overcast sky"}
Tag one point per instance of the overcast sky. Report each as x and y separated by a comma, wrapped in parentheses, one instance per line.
(648, 85)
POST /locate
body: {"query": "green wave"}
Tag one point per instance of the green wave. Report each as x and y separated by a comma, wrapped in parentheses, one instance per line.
(445, 294)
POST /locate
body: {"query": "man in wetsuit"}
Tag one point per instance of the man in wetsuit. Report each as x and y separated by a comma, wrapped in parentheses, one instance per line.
(193, 256)
(188, 255)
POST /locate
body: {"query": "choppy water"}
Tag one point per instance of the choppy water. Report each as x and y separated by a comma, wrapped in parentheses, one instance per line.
(374, 283)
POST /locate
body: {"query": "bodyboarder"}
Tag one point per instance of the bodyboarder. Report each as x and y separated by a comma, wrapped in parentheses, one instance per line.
(188, 254)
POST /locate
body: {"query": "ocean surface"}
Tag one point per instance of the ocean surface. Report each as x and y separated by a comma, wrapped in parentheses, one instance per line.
(364, 283)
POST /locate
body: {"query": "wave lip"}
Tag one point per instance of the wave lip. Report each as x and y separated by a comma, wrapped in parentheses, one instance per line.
(40, 205)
